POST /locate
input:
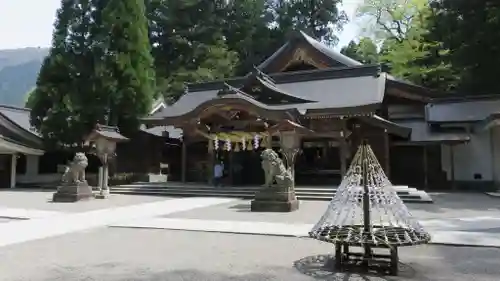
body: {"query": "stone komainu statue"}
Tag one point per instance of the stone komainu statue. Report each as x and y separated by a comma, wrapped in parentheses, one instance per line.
(75, 170)
(275, 170)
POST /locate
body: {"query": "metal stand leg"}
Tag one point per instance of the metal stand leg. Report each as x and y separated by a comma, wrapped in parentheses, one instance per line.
(338, 256)
(394, 261)
(346, 252)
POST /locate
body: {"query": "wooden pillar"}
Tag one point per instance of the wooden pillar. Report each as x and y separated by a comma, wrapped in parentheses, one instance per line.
(230, 168)
(210, 163)
(183, 160)
(387, 158)
(452, 167)
(426, 168)
(13, 166)
(343, 149)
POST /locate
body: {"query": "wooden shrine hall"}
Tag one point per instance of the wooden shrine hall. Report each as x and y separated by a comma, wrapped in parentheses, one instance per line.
(328, 99)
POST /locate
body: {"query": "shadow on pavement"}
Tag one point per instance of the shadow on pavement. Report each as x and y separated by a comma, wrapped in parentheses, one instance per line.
(321, 267)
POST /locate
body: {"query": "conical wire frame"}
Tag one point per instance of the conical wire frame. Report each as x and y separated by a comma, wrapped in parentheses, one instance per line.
(366, 209)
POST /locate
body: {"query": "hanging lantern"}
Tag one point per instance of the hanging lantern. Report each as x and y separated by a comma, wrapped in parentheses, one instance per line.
(256, 142)
(216, 143)
(228, 144)
(237, 147)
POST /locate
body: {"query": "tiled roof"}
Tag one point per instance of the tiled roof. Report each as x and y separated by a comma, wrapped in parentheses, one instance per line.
(19, 116)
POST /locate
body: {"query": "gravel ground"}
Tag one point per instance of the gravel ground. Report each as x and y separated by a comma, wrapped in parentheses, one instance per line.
(447, 205)
(41, 200)
(112, 254)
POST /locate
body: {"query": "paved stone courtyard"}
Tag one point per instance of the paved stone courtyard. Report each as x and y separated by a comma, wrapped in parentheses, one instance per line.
(74, 241)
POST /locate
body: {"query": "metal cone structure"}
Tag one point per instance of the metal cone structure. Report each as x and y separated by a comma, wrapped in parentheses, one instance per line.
(367, 212)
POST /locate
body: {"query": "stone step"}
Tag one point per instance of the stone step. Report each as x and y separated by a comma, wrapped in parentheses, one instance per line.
(305, 193)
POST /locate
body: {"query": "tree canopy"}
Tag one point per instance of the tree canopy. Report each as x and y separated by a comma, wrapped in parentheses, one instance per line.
(109, 59)
(99, 70)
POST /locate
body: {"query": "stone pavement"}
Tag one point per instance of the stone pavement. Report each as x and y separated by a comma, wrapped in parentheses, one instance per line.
(70, 242)
(464, 232)
(118, 254)
(27, 230)
(229, 216)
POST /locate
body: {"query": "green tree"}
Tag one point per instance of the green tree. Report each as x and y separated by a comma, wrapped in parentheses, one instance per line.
(52, 112)
(469, 29)
(30, 98)
(122, 63)
(189, 44)
(403, 27)
(365, 51)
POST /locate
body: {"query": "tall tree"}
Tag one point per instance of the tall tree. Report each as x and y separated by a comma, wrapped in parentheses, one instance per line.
(99, 69)
(364, 51)
(320, 18)
(53, 113)
(123, 64)
(403, 26)
(469, 29)
(188, 43)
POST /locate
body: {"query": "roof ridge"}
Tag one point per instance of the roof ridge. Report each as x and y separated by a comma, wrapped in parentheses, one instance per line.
(14, 107)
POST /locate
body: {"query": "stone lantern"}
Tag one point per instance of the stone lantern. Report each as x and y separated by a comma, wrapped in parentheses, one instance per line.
(104, 139)
(280, 197)
(290, 134)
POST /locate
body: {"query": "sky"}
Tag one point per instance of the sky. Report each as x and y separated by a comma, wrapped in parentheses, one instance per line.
(28, 23)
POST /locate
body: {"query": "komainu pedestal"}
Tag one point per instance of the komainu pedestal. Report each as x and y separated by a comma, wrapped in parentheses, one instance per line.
(74, 187)
(275, 198)
(73, 192)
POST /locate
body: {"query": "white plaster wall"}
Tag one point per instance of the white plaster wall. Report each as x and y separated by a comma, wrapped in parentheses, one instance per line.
(470, 158)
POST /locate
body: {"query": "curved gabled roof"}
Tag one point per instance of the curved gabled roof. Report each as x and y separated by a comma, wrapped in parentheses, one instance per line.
(337, 59)
(259, 79)
(16, 121)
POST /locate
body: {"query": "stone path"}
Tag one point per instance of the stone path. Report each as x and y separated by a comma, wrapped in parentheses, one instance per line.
(27, 230)
(32, 224)
(19, 213)
(469, 231)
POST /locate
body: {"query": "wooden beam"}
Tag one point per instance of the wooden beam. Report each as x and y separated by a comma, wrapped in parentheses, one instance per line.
(343, 149)
(386, 154)
(184, 160)
(426, 168)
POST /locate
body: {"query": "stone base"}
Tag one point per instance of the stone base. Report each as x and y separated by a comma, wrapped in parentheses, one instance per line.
(272, 200)
(73, 193)
(102, 195)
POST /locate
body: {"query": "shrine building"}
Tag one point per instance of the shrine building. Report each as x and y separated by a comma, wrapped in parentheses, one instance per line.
(310, 85)
(422, 138)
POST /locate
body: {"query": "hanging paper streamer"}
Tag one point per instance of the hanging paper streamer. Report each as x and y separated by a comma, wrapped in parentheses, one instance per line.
(210, 146)
(256, 142)
(228, 144)
(216, 143)
(265, 141)
(237, 147)
(249, 145)
(243, 143)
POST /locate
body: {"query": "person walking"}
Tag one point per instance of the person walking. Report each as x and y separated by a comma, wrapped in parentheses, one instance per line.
(218, 173)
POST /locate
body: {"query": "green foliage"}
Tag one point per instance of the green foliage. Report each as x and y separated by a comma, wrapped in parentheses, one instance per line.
(403, 28)
(124, 65)
(469, 30)
(319, 18)
(188, 44)
(99, 69)
(365, 51)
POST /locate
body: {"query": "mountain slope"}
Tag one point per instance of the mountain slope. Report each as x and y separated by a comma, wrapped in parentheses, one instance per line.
(18, 72)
